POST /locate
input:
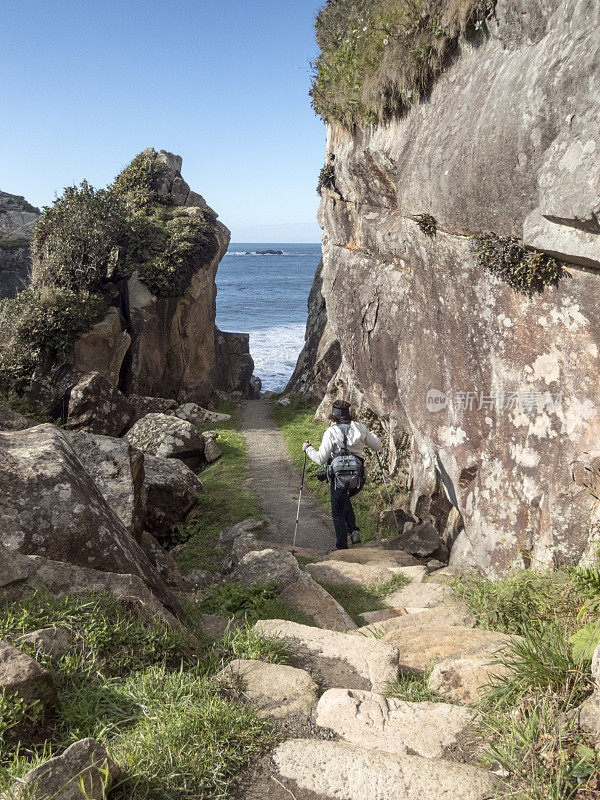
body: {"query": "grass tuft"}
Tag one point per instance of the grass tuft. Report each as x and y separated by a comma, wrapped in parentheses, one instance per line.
(357, 600)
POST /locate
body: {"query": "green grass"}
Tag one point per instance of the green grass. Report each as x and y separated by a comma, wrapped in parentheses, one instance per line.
(226, 500)
(251, 603)
(144, 692)
(297, 422)
(412, 689)
(357, 600)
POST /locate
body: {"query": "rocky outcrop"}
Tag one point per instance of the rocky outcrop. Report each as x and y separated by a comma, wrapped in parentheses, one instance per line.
(320, 357)
(17, 222)
(498, 389)
(157, 344)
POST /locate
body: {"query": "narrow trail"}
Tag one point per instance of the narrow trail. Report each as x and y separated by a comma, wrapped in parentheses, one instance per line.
(276, 483)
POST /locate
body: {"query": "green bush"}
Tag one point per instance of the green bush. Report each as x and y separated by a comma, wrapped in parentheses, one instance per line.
(326, 178)
(524, 269)
(379, 56)
(141, 181)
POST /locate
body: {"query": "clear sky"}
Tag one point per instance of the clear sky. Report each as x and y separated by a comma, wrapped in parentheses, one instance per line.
(87, 84)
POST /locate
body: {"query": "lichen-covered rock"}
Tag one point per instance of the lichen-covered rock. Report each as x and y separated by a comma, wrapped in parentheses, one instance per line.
(13, 421)
(83, 771)
(211, 449)
(50, 506)
(21, 574)
(263, 566)
(165, 564)
(23, 676)
(193, 413)
(168, 437)
(150, 405)
(53, 642)
(419, 595)
(172, 490)
(404, 302)
(97, 407)
(117, 469)
(274, 690)
(227, 537)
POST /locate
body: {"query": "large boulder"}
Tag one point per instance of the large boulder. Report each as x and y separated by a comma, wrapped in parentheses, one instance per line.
(97, 407)
(150, 405)
(172, 490)
(20, 575)
(237, 366)
(338, 659)
(393, 726)
(13, 421)
(21, 675)
(168, 437)
(193, 413)
(82, 772)
(228, 536)
(117, 469)
(50, 506)
(373, 555)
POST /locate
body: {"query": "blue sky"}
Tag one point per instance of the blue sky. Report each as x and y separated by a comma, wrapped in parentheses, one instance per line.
(88, 84)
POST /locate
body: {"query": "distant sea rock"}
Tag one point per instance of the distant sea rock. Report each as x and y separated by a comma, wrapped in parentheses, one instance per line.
(267, 253)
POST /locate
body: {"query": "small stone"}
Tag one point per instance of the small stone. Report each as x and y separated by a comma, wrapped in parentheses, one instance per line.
(13, 421)
(391, 725)
(211, 450)
(199, 578)
(22, 675)
(434, 565)
(227, 537)
(275, 690)
(421, 541)
(83, 771)
(53, 642)
(213, 626)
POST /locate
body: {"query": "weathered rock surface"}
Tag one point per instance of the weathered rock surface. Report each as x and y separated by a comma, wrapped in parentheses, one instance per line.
(333, 770)
(341, 572)
(103, 348)
(168, 437)
(53, 642)
(22, 675)
(422, 647)
(589, 716)
(393, 726)
(21, 574)
(211, 449)
(17, 222)
(235, 362)
(320, 357)
(421, 540)
(464, 680)
(150, 405)
(504, 455)
(456, 614)
(193, 413)
(419, 595)
(50, 506)
(117, 469)
(373, 555)
(339, 660)
(163, 561)
(307, 596)
(172, 490)
(97, 407)
(262, 566)
(83, 771)
(276, 691)
(13, 421)
(370, 617)
(227, 537)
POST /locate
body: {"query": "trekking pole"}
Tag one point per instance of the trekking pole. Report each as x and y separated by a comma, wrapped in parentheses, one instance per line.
(385, 483)
(298, 510)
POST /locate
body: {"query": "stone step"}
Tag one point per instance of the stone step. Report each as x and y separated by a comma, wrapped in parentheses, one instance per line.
(337, 660)
(341, 572)
(419, 595)
(373, 555)
(274, 690)
(391, 725)
(423, 647)
(454, 614)
(307, 596)
(307, 769)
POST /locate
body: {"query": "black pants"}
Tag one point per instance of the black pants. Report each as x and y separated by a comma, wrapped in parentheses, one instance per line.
(342, 512)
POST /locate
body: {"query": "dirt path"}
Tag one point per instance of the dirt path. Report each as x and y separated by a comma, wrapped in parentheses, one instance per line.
(276, 483)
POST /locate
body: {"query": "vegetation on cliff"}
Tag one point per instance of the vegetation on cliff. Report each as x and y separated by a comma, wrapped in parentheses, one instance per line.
(377, 58)
(524, 269)
(88, 240)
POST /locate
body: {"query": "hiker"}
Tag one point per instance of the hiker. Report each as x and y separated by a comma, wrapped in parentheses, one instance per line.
(342, 449)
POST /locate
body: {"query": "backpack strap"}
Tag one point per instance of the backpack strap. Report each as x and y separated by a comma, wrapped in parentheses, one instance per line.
(344, 427)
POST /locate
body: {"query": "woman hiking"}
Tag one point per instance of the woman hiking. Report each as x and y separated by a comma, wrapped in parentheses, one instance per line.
(342, 450)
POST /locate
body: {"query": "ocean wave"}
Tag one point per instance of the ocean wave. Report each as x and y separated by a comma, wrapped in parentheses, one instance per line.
(275, 352)
(241, 253)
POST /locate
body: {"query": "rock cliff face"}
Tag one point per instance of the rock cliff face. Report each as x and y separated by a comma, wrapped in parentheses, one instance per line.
(506, 142)
(17, 221)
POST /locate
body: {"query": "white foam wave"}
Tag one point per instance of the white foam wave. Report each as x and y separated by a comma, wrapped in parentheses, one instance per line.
(275, 352)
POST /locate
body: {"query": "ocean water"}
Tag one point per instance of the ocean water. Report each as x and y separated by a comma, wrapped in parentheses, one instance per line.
(266, 296)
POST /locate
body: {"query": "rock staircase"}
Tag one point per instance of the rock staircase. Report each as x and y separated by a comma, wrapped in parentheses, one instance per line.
(349, 741)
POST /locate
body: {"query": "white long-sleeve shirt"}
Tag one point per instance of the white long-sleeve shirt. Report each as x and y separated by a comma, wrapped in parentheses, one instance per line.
(333, 442)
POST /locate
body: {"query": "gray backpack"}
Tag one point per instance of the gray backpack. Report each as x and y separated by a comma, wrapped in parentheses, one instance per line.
(346, 471)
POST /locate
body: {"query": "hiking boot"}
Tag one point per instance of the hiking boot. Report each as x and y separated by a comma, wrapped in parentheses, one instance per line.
(355, 537)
